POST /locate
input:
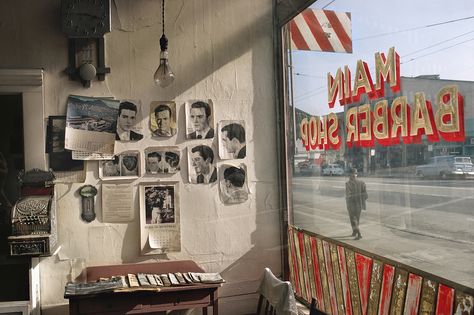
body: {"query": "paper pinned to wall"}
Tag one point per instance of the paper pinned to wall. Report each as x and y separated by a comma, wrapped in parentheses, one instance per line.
(160, 218)
(91, 124)
(233, 185)
(117, 203)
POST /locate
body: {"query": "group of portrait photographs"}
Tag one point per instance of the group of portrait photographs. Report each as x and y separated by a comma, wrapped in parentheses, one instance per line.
(91, 122)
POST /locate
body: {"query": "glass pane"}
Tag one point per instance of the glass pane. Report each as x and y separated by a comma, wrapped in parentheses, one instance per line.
(397, 109)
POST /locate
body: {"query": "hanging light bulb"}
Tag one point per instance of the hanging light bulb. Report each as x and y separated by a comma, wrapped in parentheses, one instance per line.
(164, 76)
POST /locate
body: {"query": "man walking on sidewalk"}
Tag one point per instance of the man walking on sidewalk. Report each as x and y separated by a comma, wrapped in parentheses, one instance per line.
(356, 195)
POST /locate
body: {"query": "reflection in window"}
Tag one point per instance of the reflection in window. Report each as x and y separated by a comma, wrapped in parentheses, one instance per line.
(411, 139)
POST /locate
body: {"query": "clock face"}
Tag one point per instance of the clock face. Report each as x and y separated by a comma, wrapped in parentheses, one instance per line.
(85, 18)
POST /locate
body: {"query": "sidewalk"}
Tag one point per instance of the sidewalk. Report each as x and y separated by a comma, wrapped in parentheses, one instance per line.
(409, 236)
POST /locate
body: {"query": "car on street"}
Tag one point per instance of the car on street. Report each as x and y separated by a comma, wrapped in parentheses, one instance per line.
(332, 170)
(446, 166)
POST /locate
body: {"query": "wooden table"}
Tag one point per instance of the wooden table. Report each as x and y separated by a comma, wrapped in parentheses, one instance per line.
(146, 302)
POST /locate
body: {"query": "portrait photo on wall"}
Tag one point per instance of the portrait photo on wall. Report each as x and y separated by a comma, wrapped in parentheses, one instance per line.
(199, 119)
(159, 204)
(232, 141)
(91, 124)
(233, 186)
(201, 164)
(162, 160)
(129, 121)
(125, 165)
(163, 119)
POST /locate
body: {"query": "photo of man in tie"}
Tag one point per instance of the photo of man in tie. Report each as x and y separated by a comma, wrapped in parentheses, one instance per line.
(199, 122)
(202, 169)
(163, 119)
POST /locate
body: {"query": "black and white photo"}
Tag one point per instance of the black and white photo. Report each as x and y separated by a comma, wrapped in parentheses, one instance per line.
(128, 121)
(233, 184)
(201, 165)
(162, 160)
(123, 166)
(199, 119)
(163, 119)
(232, 140)
(159, 204)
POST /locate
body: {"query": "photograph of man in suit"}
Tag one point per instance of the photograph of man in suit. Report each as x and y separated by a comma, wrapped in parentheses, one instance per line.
(202, 158)
(126, 122)
(200, 116)
(233, 140)
(164, 121)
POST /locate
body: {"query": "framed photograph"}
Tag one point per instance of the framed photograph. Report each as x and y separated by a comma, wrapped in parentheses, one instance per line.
(160, 217)
(163, 119)
(233, 186)
(125, 165)
(60, 159)
(162, 160)
(199, 119)
(232, 141)
(201, 164)
(129, 121)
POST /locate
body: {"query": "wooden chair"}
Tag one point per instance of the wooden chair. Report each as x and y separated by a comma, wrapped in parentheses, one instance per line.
(313, 309)
(276, 296)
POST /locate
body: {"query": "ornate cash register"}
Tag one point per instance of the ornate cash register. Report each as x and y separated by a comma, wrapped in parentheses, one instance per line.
(33, 216)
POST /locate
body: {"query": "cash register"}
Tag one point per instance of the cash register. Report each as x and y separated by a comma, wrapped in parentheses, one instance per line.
(33, 216)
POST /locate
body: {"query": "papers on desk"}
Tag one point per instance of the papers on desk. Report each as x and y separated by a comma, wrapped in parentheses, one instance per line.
(142, 282)
(108, 285)
(206, 277)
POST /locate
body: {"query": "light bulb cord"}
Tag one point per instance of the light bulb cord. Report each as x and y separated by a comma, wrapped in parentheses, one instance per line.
(163, 16)
(163, 39)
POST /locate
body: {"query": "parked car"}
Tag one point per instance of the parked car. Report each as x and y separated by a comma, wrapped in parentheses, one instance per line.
(333, 169)
(309, 169)
(446, 166)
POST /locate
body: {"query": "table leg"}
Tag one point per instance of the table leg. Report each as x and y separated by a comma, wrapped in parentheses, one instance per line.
(204, 310)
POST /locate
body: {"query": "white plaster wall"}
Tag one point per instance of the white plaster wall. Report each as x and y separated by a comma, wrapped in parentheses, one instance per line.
(219, 49)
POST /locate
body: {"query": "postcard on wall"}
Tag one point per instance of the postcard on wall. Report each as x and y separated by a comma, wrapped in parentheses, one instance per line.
(129, 121)
(162, 160)
(232, 144)
(233, 185)
(117, 203)
(199, 119)
(125, 165)
(160, 218)
(91, 124)
(163, 121)
(201, 164)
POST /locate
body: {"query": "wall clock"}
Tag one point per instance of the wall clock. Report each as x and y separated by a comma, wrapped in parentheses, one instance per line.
(85, 22)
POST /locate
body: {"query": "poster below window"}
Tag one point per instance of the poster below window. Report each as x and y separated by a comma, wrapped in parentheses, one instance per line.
(232, 143)
(160, 218)
(91, 124)
(233, 183)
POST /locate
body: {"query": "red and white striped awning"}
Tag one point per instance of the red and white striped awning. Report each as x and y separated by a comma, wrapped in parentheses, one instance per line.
(322, 30)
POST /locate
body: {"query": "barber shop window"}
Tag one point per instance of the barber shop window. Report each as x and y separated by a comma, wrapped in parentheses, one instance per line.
(379, 104)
